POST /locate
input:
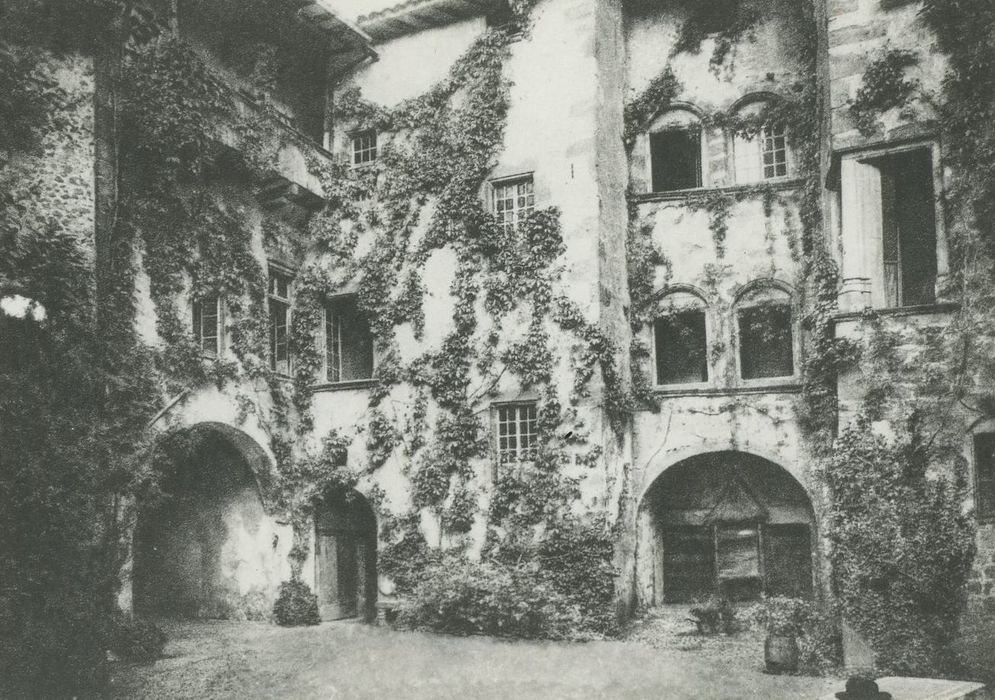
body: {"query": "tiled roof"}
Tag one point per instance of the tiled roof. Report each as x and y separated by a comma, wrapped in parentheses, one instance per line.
(415, 15)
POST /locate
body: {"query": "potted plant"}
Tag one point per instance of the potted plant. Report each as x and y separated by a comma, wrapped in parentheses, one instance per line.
(783, 618)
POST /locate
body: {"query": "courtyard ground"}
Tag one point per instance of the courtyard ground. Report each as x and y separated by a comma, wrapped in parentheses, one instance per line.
(249, 660)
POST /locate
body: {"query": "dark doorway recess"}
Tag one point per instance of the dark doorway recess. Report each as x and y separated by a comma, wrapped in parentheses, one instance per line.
(345, 556)
(186, 552)
(730, 524)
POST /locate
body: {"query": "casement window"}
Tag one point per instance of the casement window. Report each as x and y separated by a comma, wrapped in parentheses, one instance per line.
(984, 477)
(513, 200)
(279, 321)
(762, 155)
(208, 328)
(517, 433)
(675, 156)
(680, 340)
(765, 325)
(348, 342)
(909, 228)
(364, 147)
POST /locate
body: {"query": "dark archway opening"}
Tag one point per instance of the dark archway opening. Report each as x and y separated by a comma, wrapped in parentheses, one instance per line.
(189, 544)
(345, 556)
(730, 524)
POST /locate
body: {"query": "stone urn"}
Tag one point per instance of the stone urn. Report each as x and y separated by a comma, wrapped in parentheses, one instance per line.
(781, 653)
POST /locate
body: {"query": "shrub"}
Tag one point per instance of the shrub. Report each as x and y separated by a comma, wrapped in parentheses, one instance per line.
(902, 547)
(459, 596)
(715, 615)
(136, 639)
(296, 605)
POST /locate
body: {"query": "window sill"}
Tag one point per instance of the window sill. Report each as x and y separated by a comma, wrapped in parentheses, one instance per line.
(921, 310)
(790, 385)
(352, 385)
(787, 183)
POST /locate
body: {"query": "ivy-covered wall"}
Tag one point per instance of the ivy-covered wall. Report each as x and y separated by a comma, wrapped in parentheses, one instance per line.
(716, 242)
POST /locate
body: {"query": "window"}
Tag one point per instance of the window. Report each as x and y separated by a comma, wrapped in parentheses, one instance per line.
(516, 433)
(279, 322)
(762, 155)
(681, 341)
(908, 229)
(514, 200)
(766, 343)
(984, 471)
(348, 343)
(364, 147)
(675, 156)
(207, 325)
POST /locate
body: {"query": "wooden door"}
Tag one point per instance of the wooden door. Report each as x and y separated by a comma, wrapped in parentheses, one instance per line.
(338, 576)
(788, 560)
(688, 564)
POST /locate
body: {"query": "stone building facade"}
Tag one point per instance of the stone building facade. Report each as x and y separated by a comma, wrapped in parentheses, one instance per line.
(711, 491)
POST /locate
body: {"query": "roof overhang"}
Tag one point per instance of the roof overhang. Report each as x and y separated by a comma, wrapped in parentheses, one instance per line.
(416, 15)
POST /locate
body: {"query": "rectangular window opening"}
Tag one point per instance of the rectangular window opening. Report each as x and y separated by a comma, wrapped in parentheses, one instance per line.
(279, 322)
(984, 471)
(364, 147)
(207, 328)
(765, 344)
(675, 157)
(908, 204)
(681, 348)
(517, 433)
(513, 201)
(348, 343)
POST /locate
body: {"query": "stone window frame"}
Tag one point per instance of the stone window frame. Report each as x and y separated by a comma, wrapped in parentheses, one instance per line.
(858, 223)
(326, 308)
(670, 119)
(197, 312)
(698, 301)
(495, 187)
(274, 271)
(766, 292)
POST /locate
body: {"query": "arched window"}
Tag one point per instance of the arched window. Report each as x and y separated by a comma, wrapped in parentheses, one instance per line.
(675, 143)
(765, 322)
(680, 340)
(762, 154)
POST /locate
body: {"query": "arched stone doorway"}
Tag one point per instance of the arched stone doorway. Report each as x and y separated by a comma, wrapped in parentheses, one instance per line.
(729, 524)
(204, 545)
(345, 556)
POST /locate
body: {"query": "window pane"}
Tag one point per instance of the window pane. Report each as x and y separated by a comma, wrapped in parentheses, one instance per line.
(364, 147)
(206, 326)
(765, 343)
(349, 343)
(513, 202)
(681, 348)
(333, 347)
(279, 314)
(676, 159)
(517, 433)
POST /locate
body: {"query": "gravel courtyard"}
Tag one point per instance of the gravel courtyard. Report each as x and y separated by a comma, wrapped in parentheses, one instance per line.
(351, 660)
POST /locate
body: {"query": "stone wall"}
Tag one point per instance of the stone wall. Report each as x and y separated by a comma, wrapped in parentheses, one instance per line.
(55, 184)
